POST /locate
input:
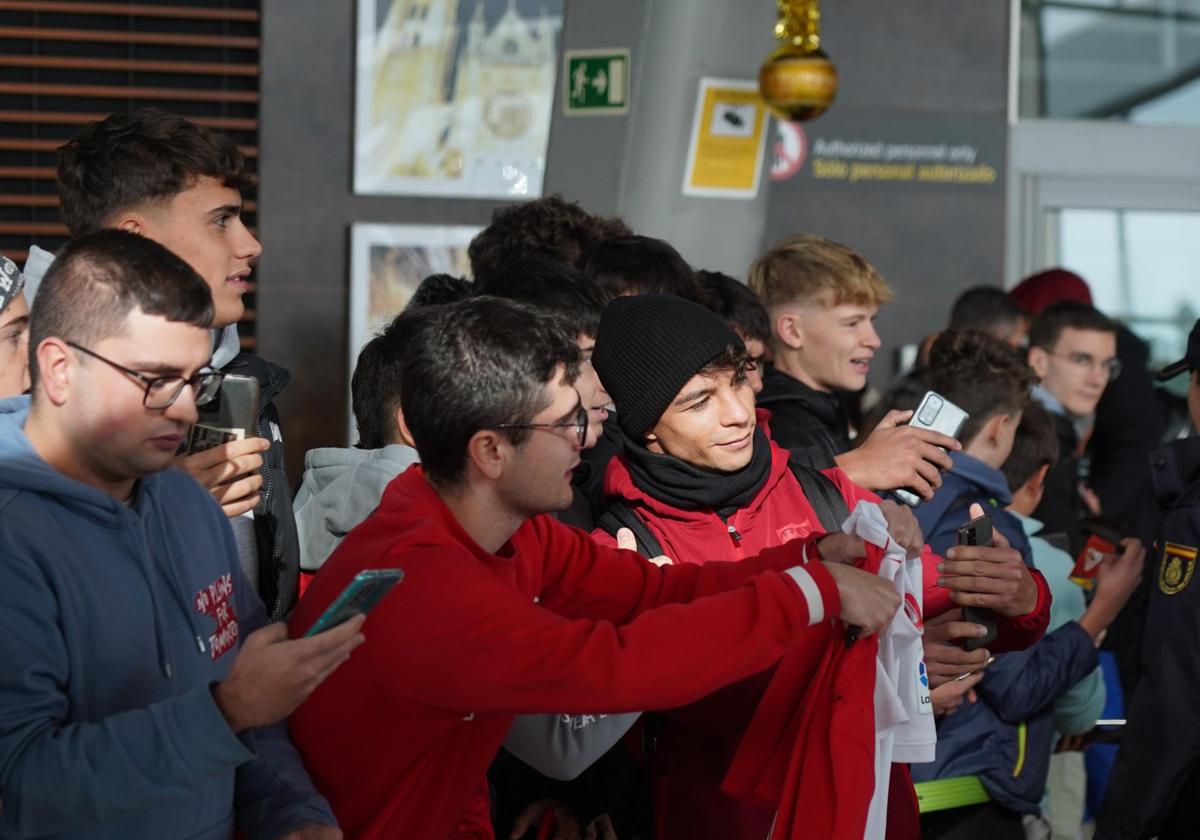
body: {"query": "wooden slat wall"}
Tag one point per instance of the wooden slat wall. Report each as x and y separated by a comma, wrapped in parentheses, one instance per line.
(64, 63)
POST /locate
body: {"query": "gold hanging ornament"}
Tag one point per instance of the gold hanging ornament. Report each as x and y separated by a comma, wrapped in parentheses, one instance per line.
(797, 80)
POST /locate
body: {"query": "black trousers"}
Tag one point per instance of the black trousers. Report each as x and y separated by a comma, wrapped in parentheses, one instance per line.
(987, 821)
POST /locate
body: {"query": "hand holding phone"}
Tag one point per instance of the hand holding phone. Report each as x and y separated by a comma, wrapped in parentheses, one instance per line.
(993, 577)
(362, 593)
(230, 472)
(945, 657)
(897, 454)
(272, 674)
(977, 532)
(937, 414)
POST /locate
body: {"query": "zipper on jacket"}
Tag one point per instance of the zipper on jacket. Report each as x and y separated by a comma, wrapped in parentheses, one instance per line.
(276, 555)
(733, 532)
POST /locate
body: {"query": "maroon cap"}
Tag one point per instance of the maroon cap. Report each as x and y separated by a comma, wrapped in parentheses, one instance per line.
(1036, 292)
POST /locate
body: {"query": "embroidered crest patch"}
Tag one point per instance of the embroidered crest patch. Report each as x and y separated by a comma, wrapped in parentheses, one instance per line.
(795, 531)
(1175, 570)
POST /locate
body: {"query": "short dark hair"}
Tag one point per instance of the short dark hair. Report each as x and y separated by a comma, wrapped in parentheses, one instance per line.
(637, 265)
(550, 226)
(559, 290)
(97, 279)
(474, 365)
(437, 289)
(733, 359)
(375, 387)
(987, 309)
(1035, 446)
(139, 156)
(737, 305)
(980, 374)
(1049, 324)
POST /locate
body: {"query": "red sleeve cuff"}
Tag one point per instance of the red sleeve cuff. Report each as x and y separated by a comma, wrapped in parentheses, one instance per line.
(1019, 632)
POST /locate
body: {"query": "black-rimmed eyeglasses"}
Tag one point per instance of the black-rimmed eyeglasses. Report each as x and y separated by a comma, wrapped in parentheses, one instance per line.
(162, 391)
(579, 424)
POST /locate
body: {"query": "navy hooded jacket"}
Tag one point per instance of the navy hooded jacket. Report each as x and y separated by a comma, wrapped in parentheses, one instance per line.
(1005, 738)
(115, 620)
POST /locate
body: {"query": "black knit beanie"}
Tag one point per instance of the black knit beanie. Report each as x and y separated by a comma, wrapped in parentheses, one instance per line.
(649, 346)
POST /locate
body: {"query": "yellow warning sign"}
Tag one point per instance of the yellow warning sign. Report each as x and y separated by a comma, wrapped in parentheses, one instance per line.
(729, 132)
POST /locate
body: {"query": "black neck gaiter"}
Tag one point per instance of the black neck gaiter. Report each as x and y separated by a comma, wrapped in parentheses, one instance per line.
(689, 487)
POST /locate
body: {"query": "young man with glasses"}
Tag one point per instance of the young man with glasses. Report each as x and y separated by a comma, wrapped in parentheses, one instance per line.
(504, 610)
(1073, 351)
(141, 693)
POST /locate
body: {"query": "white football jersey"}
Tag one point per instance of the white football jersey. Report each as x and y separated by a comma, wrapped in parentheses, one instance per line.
(904, 725)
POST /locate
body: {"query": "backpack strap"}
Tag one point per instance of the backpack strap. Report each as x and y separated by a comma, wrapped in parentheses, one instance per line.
(619, 515)
(823, 495)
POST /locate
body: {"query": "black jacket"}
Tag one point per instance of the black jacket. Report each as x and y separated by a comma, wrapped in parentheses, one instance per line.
(812, 425)
(274, 522)
(1155, 782)
(1130, 424)
(1061, 510)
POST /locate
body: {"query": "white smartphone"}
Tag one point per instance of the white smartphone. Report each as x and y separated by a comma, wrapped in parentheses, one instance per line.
(940, 415)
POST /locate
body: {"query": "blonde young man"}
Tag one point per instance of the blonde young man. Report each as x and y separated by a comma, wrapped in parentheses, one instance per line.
(823, 299)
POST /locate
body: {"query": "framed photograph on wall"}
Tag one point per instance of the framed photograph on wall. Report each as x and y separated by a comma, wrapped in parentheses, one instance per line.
(387, 263)
(454, 97)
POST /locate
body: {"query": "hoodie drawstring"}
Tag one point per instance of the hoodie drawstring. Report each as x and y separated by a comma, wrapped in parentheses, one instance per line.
(164, 659)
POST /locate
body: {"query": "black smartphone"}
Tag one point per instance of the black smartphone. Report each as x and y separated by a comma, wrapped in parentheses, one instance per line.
(362, 593)
(231, 415)
(978, 532)
(1106, 732)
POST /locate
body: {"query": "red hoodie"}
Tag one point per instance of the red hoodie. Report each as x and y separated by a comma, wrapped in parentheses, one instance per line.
(700, 740)
(399, 737)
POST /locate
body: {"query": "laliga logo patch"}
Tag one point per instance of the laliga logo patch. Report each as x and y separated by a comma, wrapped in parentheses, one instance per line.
(924, 701)
(1175, 569)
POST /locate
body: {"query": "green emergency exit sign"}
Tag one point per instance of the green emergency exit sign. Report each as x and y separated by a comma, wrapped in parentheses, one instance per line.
(595, 82)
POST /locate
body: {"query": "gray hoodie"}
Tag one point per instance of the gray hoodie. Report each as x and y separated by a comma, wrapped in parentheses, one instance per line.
(340, 489)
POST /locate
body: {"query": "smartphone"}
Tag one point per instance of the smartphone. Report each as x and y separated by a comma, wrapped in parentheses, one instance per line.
(362, 593)
(940, 415)
(978, 532)
(1103, 541)
(231, 415)
(1106, 732)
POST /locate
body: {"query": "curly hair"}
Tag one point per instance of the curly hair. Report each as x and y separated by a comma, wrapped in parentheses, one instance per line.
(640, 265)
(982, 375)
(550, 226)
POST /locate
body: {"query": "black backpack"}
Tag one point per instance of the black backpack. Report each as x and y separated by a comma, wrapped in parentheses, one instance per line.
(818, 488)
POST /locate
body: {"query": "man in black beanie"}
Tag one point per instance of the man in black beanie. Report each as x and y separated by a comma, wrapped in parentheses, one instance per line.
(701, 480)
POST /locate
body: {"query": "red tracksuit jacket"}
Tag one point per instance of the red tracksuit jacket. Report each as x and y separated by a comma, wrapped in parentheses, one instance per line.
(400, 736)
(700, 740)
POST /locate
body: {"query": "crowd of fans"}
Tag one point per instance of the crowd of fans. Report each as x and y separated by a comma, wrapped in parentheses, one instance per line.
(660, 579)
